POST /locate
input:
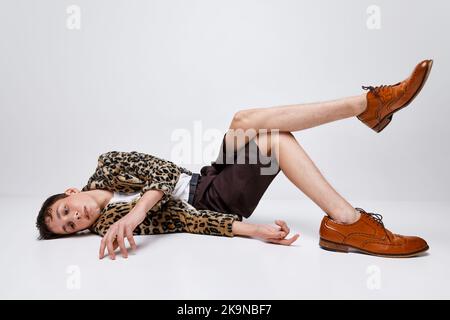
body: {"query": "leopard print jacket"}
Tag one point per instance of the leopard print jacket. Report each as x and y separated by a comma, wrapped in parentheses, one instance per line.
(134, 171)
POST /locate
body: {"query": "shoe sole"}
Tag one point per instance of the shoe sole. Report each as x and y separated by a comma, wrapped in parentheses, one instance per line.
(385, 121)
(344, 248)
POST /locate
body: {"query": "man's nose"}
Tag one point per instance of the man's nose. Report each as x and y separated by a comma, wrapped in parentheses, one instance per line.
(77, 215)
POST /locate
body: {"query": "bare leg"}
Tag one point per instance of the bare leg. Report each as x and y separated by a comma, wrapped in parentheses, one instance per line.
(294, 117)
(293, 160)
(300, 116)
(303, 173)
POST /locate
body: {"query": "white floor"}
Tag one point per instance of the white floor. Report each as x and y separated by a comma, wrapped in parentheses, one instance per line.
(186, 266)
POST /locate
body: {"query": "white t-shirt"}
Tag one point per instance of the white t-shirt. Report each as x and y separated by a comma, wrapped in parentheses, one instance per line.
(181, 191)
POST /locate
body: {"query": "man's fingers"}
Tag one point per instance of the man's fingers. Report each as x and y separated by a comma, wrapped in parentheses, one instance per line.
(120, 240)
(286, 242)
(280, 235)
(129, 233)
(275, 235)
(101, 253)
(110, 247)
(114, 238)
(283, 225)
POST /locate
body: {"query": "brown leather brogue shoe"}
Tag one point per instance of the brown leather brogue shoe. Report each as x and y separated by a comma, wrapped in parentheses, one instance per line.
(368, 235)
(383, 101)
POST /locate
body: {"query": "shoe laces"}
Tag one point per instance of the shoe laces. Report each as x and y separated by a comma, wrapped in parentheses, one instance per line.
(377, 89)
(377, 218)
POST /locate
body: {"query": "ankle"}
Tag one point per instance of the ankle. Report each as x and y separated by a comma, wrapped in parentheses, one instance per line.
(347, 217)
(360, 104)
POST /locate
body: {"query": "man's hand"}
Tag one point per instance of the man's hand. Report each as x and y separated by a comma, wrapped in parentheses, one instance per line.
(115, 237)
(274, 234)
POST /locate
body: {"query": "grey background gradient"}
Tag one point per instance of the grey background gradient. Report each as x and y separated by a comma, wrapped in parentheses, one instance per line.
(138, 70)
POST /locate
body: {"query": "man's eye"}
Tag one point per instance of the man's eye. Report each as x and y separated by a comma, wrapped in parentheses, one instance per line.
(66, 211)
(72, 225)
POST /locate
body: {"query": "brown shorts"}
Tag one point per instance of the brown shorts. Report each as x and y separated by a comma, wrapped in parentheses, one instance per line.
(236, 181)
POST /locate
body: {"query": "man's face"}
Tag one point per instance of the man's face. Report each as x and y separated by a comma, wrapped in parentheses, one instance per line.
(74, 213)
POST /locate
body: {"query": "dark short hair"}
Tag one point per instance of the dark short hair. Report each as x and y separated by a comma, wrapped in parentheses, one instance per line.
(44, 231)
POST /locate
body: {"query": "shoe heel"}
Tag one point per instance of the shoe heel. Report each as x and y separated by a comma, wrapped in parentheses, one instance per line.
(379, 127)
(328, 245)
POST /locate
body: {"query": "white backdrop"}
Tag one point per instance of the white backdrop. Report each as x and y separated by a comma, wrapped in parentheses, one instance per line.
(138, 71)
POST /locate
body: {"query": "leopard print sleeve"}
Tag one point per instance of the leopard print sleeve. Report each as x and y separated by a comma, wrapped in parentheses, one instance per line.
(209, 222)
(175, 216)
(206, 222)
(179, 216)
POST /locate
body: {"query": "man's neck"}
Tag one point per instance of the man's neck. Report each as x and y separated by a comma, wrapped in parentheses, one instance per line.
(102, 197)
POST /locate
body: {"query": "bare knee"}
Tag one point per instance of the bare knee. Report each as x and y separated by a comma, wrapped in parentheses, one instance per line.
(276, 139)
(284, 134)
(269, 140)
(243, 119)
(263, 140)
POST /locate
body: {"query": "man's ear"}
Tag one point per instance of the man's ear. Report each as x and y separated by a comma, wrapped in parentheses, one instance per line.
(70, 191)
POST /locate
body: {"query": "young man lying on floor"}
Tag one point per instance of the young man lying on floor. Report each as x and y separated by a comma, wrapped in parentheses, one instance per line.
(133, 193)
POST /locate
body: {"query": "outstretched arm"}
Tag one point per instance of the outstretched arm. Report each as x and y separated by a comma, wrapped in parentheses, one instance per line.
(178, 216)
(185, 218)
